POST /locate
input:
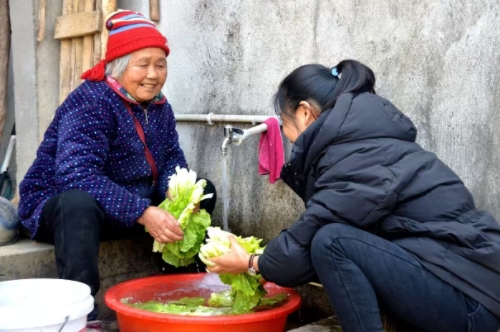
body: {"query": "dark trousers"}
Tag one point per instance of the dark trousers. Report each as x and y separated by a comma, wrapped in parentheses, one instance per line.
(359, 271)
(75, 224)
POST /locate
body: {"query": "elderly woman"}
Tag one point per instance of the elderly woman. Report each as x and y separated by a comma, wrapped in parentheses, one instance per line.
(107, 156)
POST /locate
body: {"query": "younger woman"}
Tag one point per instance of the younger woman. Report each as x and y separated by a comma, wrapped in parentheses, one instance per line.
(386, 222)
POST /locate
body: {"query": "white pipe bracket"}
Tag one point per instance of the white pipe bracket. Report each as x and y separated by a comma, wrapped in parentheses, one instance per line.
(209, 119)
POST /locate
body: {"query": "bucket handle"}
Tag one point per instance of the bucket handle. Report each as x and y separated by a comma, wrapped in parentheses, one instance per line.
(65, 322)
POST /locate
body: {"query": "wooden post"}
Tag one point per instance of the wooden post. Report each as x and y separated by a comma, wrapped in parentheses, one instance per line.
(65, 62)
(41, 20)
(96, 56)
(154, 10)
(108, 6)
(83, 35)
(4, 60)
(76, 51)
(88, 41)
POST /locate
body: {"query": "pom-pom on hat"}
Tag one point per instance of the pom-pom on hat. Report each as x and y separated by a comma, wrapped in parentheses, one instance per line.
(129, 31)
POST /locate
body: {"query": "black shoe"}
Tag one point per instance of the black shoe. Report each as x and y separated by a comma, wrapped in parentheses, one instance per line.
(93, 314)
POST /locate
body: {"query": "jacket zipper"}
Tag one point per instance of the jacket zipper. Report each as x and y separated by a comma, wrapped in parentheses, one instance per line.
(146, 130)
(145, 110)
(146, 124)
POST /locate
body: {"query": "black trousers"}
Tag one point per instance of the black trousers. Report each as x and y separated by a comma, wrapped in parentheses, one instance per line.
(75, 224)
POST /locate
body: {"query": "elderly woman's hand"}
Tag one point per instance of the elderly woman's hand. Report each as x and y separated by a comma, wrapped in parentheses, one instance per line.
(161, 225)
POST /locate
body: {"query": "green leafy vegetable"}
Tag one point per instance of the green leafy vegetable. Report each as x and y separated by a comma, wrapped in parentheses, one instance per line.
(219, 304)
(222, 299)
(186, 194)
(246, 290)
(162, 308)
(189, 301)
(272, 300)
(226, 299)
(185, 306)
(218, 244)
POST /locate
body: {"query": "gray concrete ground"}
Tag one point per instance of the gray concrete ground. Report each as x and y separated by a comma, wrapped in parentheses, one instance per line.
(329, 324)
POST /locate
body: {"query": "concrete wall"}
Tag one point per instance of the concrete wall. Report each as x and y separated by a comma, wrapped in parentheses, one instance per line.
(35, 76)
(25, 97)
(47, 78)
(437, 61)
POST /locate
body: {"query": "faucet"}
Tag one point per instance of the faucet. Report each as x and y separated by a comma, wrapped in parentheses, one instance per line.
(236, 136)
(228, 138)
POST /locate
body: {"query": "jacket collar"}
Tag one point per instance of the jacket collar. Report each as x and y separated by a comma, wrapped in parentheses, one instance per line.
(310, 145)
(352, 118)
(120, 90)
(295, 171)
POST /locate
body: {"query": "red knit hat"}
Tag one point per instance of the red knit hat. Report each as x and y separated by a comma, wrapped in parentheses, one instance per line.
(128, 32)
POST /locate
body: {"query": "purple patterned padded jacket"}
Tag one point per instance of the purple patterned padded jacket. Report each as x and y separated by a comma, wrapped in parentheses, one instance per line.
(92, 145)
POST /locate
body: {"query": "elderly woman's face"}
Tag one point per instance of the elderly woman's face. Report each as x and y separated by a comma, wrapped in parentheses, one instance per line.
(146, 74)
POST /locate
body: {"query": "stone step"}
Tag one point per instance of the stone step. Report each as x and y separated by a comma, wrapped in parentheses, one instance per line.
(119, 260)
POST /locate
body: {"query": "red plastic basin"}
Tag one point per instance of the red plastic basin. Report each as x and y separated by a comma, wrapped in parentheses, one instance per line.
(174, 287)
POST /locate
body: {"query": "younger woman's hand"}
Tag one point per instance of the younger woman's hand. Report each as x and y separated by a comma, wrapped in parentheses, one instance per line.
(234, 262)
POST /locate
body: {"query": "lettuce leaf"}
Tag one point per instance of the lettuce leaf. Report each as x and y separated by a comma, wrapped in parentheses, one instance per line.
(226, 299)
(273, 300)
(159, 307)
(223, 303)
(189, 301)
(222, 299)
(246, 291)
(185, 307)
(186, 194)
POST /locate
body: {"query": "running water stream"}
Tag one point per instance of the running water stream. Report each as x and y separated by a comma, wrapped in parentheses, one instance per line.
(225, 195)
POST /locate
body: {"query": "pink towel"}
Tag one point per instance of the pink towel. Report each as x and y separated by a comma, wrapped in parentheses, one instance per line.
(271, 151)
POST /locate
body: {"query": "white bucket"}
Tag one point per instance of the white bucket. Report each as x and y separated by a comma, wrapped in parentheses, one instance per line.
(44, 305)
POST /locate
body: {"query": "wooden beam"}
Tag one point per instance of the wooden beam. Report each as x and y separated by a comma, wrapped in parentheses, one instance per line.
(78, 25)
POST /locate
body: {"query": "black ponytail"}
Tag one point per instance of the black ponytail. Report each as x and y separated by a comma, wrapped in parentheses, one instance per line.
(322, 85)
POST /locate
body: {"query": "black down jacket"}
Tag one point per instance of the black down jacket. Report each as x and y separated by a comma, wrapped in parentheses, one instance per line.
(358, 164)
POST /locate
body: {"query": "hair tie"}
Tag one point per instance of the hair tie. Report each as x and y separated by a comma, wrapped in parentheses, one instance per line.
(335, 72)
(96, 73)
